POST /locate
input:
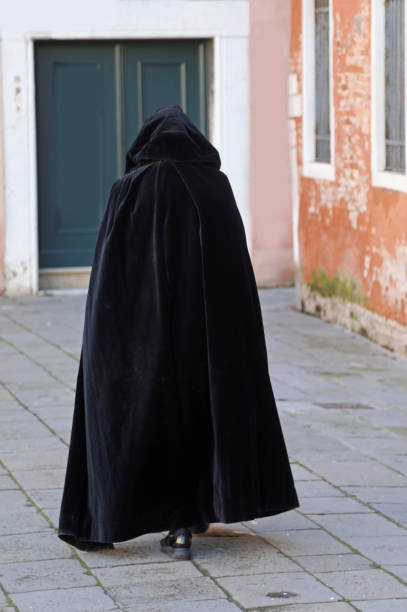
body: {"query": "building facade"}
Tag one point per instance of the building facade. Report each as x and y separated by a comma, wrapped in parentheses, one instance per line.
(348, 138)
(270, 193)
(77, 81)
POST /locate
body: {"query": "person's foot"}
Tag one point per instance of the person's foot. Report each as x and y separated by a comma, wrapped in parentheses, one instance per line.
(177, 543)
(199, 528)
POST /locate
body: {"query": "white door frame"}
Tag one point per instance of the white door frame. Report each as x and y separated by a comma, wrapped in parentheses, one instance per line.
(229, 125)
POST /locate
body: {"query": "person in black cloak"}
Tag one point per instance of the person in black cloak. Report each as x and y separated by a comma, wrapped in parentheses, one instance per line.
(175, 424)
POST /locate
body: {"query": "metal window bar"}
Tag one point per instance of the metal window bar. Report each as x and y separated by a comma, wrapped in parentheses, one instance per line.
(322, 82)
(394, 86)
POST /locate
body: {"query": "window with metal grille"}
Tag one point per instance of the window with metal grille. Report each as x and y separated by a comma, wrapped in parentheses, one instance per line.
(322, 82)
(394, 86)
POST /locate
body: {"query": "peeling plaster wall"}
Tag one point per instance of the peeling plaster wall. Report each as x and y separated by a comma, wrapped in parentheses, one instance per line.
(347, 226)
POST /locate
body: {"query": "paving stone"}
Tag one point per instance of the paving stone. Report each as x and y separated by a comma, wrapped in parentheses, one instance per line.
(143, 549)
(295, 407)
(399, 570)
(301, 473)
(396, 461)
(53, 515)
(54, 412)
(43, 383)
(239, 556)
(313, 440)
(81, 599)
(5, 395)
(333, 606)
(398, 512)
(382, 605)
(10, 404)
(304, 542)
(265, 589)
(381, 549)
(56, 395)
(344, 525)
(142, 572)
(30, 444)
(41, 479)
(60, 425)
(333, 563)
(339, 422)
(48, 355)
(282, 391)
(32, 547)
(34, 460)
(65, 375)
(332, 505)
(156, 592)
(16, 416)
(316, 488)
(387, 417)
(41, 575)
(33, 376)
(17, 363)
(7, 483)
(23, 429)
(13, 501)
(46, 498)
(65, 436)
(284, 521)
(373, 446)
(22, 522)
(366, 473)
(373, 495)
(364, 584)
(348, 424)
(209, 605)
(314, 454)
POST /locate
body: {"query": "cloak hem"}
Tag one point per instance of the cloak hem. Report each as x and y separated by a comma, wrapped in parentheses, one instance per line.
(68, 534)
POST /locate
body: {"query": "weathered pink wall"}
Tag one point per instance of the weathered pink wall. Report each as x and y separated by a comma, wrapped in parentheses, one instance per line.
(270, 191)
(347, 226)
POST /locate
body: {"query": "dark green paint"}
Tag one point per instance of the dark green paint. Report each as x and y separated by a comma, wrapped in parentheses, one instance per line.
(91, 101)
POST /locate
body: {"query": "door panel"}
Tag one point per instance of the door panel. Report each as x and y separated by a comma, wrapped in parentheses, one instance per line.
(76, 149)
(91, 101)
(157, 73)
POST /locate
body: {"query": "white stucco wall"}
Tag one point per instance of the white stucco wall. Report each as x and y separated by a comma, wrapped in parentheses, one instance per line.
(225, 21)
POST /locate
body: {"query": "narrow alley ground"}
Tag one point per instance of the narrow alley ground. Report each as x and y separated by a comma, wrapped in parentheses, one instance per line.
(342, 402)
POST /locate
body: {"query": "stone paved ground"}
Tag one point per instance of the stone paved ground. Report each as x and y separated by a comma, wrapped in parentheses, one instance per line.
(343, 407)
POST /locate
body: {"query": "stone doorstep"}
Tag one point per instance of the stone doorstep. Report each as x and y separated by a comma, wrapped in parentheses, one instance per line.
(64, 278)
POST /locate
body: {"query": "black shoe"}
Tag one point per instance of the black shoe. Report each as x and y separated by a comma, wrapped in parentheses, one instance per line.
(199, 528)
(177, 543)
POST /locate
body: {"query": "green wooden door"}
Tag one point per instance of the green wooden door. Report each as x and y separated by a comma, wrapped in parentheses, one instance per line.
(91, 99)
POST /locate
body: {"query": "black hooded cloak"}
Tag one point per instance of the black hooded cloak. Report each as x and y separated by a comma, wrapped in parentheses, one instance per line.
(175, 421)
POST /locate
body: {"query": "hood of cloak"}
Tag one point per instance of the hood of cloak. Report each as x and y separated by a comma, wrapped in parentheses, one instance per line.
(169, 134)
